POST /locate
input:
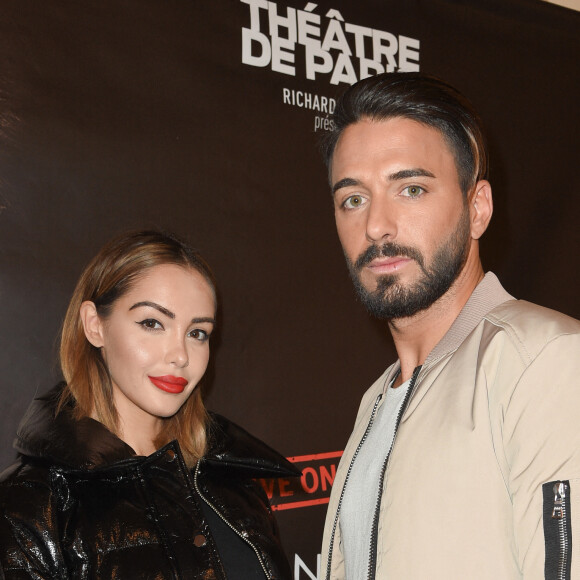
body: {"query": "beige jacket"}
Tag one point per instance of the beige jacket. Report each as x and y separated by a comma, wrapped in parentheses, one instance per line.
(491, 426)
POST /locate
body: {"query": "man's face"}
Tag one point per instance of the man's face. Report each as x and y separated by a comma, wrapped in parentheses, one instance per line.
(401, 217)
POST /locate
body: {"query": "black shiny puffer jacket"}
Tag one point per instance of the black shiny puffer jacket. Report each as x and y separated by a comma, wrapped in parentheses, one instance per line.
(80, 504)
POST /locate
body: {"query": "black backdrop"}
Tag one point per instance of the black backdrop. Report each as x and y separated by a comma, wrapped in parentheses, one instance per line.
(203, 118)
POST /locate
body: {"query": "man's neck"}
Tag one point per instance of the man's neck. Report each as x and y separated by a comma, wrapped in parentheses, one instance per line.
(416, 336)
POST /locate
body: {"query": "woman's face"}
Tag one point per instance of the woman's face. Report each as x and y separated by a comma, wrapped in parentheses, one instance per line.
(155, 343)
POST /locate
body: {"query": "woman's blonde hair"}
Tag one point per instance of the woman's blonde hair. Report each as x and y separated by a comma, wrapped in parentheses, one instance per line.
(111, 274)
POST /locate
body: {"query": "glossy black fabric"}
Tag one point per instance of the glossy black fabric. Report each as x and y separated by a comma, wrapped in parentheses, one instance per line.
(80, 504)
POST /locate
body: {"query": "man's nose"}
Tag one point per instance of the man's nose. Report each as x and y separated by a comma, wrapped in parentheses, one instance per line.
(381, 219)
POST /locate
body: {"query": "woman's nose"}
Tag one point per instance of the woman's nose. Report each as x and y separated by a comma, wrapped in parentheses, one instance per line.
(177, 353)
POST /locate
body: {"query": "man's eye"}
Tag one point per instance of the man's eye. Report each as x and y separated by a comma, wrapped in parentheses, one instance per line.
(353, 201)
(199, 334)
(150, 324)
(413, 191)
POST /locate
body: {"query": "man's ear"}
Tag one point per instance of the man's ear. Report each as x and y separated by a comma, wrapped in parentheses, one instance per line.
(480, 208)
(92, 323)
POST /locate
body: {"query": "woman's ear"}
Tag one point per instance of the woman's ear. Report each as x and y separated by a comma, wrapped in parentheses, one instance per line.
(480, 208)
(92, 324)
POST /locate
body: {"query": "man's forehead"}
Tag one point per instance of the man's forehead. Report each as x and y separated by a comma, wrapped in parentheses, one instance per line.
(394, 149)
(387, 128)
(416, 147)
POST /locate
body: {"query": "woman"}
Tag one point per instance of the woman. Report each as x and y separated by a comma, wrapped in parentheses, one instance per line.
(122, 473)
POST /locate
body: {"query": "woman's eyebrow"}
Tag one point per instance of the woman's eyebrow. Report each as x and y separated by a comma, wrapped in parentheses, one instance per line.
(203, 319)
(161, 309)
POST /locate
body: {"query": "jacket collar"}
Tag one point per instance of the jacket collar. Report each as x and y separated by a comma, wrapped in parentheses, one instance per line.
(86, 444)
(488, 294)
(83, 444)
(233, 448)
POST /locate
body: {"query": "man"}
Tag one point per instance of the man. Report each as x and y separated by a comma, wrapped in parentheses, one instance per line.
(464, 462)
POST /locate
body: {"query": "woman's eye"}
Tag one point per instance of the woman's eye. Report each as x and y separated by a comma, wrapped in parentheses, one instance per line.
(151, 324)
(199, 334)
(353, 201)
(413, 191)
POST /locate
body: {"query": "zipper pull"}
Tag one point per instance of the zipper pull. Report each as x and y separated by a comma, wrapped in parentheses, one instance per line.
(559, 496)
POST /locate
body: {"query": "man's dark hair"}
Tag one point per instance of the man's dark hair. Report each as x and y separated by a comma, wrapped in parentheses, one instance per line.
(425, 99)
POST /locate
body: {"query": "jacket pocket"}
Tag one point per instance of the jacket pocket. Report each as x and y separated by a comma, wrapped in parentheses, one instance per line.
(557, 530)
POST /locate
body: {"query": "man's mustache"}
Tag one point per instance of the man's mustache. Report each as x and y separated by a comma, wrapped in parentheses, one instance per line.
(388, 250)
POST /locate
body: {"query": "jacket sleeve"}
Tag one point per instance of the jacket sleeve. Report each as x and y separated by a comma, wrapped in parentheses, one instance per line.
(541, 436)
(29, 545)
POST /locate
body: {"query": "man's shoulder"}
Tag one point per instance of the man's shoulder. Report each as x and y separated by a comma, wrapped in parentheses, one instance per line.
(526, 316)
(533, 326)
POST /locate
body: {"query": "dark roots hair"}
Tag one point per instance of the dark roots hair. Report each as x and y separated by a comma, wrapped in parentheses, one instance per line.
(425, 99)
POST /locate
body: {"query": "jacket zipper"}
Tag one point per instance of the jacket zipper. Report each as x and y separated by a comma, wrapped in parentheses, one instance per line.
(558, 538)
(560, 513)
(375, 528)
(365, 435)
(223, 518)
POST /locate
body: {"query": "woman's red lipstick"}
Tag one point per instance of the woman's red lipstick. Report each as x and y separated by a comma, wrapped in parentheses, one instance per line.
(169, 383)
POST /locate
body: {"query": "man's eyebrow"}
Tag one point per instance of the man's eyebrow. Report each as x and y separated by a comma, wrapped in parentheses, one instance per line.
(161, 309)
(397, 176)
(346, 182)
(407, 173)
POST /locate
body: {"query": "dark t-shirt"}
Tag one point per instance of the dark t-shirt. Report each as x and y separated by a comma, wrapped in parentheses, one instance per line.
(238, 559)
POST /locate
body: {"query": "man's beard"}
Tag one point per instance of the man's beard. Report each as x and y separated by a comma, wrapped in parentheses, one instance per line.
(392, 300)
